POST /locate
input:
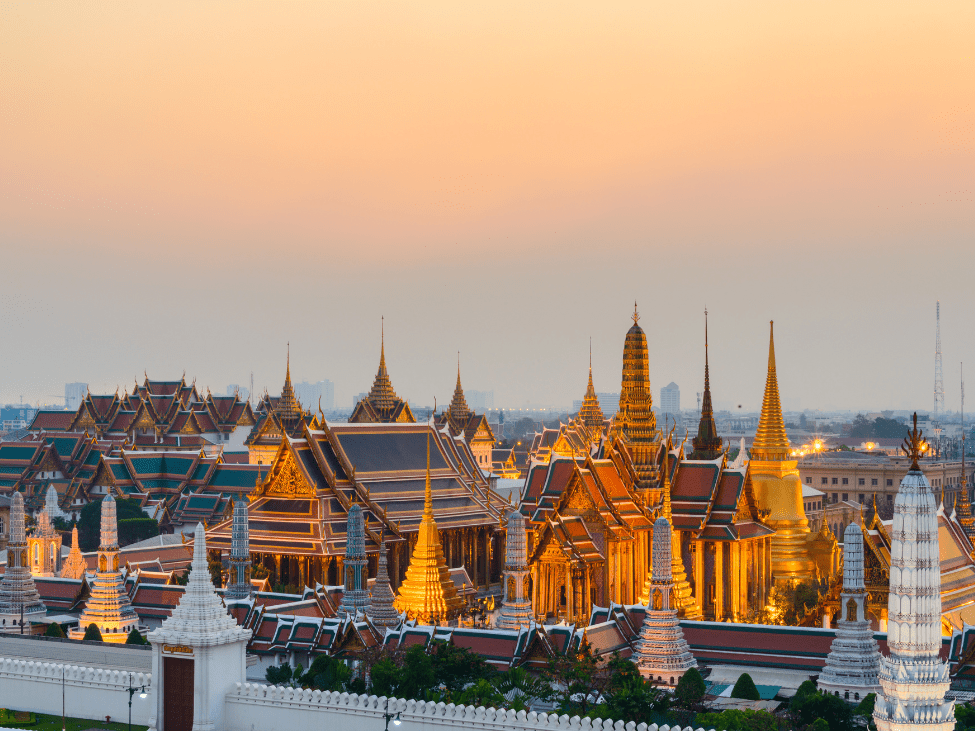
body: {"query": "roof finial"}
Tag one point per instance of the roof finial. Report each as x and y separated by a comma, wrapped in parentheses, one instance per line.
(636, 315)
(915, 446)
(428, 492)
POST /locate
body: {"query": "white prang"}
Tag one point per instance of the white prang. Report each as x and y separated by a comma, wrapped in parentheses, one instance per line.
(516, 607)
(853, 663)
(19, 600)
(913, 678)
(661, 652)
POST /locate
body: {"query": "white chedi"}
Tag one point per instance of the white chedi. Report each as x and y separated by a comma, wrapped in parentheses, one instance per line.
(661, 652)
(853, 663)
(913, 678)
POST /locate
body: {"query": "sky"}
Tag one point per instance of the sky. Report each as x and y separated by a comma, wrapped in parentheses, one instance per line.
(191, 186)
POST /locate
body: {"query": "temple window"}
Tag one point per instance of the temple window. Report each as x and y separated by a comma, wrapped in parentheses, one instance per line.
(890, 483)
(825, 480)
(861, 481)
(873, 481)
(846, 480)
(808, 480)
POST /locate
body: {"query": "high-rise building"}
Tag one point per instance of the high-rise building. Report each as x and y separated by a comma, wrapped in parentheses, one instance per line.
(310, 394)
(74, 393)
(670, 399)
(480, 400)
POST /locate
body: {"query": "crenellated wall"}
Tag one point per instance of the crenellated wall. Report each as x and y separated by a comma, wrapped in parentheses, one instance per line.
(88, 692)
(254, 707)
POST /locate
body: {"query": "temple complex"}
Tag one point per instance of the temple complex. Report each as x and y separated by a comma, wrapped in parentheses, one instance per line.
(382, 405)
(44, 548)
(381, 611)
(914, 678)
(775, 477)
(299, 513)
(74, 566)
(661, 652)
(355, 598)
(19, 600)
(275, 418)
(516, 607)
(854, 659)
(239, 580)
(108, 607)
(461, 421)
(428, 594)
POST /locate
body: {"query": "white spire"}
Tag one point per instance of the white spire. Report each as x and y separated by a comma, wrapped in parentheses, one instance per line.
(201, 619)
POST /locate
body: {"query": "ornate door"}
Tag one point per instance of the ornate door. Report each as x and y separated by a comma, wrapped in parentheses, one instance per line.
(178, 694)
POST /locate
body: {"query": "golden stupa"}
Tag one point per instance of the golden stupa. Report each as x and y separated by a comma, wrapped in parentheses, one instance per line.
(428, 594)
(775, 478)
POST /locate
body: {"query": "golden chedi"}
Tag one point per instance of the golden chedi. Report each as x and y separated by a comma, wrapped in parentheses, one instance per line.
(775, 478)
(428, 594)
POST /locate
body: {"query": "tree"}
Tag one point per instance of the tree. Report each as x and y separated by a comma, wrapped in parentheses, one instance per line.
(690, 689)
(93, 633)
(737, 720)
(581, 681)
(964, 716)
(888, 428)
(456, 667)
(820, 724)
(418, 674)
(481, 693)
(807, 707)
(385, 677)
(278, 674)
(327, 673)
(629, 697)
(745, 688)
(216, 573)
(522, 687)
(135, 638)
(54, 630)
(126, 509)
(862, 427)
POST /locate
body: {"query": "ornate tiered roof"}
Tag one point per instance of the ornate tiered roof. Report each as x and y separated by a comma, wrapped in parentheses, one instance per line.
(428, 594)
(771, 443)
(635, 420)
(707, 443)
(382, 404)
(590, 413)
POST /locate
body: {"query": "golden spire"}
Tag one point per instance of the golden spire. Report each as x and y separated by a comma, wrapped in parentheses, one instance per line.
(707, 443)
(771, 443)
(382, 396)
(636, 315)
(428, 594)
(458, 410)
(590, 412)
(288, 406)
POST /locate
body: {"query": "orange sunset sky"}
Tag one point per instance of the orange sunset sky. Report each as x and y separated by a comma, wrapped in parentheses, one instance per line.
(192, 185)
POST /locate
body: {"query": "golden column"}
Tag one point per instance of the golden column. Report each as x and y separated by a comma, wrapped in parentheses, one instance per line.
(428, 594)
(778, 490)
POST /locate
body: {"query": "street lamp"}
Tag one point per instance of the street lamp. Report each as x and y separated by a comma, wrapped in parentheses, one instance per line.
(132, 691)
(389, 717)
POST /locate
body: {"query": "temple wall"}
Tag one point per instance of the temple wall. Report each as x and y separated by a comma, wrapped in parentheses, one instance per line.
(91, 693)
(276, 708)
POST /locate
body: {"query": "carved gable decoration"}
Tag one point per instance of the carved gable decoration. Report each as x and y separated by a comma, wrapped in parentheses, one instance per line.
(288, 480)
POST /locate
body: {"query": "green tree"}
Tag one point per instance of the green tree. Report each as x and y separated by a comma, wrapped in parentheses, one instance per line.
(126, 509)
(964, 717)
(690, 689)
(862, 427)
(481, 693)
(745, 688)
(522, 687)
(737, 720)
(216, 573)
(54, 630)
(135, 638)
(327, 673)
(456, 667)
(579, 680)
(93, 633)
(888, 428)
(820, 724)
(386, 678)
(866, 705)
(806, 708)
(278, 674)
(418, 674)
(629, 697)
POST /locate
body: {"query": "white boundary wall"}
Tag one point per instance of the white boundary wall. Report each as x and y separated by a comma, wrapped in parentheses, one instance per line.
(91, 693)
(253, 707)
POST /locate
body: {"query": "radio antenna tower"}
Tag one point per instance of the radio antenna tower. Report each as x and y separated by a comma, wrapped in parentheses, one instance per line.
(939, 381)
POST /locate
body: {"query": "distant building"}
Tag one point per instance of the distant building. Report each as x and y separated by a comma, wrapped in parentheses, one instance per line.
(480, 400)
(311, 393)
(16, 417)
(609, 403)
(242, 392)
(74, 393)
(670, 399)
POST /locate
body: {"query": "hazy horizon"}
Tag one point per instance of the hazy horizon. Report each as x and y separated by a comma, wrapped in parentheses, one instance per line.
(192, 186)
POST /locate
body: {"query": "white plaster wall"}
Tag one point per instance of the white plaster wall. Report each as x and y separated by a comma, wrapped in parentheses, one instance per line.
(254, 707)
(88, 692)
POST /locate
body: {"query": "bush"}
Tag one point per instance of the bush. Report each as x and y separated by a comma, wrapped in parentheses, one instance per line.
(327, 673)
(690, 689)
(737, 720)
(745, 688)
(93, 633)
(278, 674)
(831, 708)
(135, 638)
(54, 630)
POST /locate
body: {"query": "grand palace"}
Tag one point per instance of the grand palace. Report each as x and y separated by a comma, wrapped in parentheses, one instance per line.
(419, 499)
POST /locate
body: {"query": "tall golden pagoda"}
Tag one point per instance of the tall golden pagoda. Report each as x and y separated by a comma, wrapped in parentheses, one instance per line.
(775, 478)
(591, 414)
(635, 422)
(707, 443)
(428, 594)
(382, 405)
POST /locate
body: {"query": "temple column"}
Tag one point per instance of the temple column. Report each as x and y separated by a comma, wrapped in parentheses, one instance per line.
(699, 573)
(474, 557)
(736, 584)
(587, 600)
(302, 572)
(569, 590)
(719, 579)
(535, 589)
(277, 568)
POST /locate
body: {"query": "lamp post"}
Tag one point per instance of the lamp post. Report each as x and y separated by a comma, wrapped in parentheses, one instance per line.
(389, 716)
(132, 691)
